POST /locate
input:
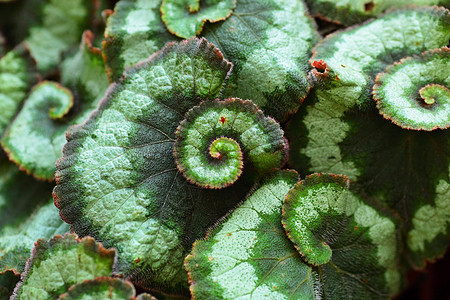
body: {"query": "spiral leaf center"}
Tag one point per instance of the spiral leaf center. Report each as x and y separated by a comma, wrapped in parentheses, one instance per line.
(434, 92)
(215, 136)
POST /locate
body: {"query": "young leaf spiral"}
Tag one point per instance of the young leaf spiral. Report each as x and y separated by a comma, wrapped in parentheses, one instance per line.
(216, 137)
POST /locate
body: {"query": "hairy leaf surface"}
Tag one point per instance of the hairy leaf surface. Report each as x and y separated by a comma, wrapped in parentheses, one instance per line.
(350, 12)
(17, 76)
(17, 241)
(62, 23)
(248, 255)
(342, 132)
(118, 180)
(267, 41)
(61, 262)
(35, 138)
(333, 228)
(103, 288)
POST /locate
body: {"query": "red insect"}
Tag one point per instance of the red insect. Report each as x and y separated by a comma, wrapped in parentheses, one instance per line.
(223, 120)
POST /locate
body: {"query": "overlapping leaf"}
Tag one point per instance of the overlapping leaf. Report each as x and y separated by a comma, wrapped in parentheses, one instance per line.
(415, 93)
(61, 262)
(20, 194)
(342, 132)
(248, 254)
(17, 75)
(333, 228)
(349, 12)
(268, 42)
(217, 137)
(61, 25)
(17, 241)
(118, 180)
(35, 138)
(186, 18)
(104, 288)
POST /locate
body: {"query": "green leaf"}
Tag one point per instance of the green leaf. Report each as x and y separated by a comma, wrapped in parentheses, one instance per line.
(216, 137)
(331, 227)
(340, 130)
(20, 194)
(186, 18)
(61, 262)
(415, 93)
(248, 254)
(8, 281)
(118, 181)
(29, 140)
(133, 33)
(61, 25)
(268, 42)
(350, 12)
(17, 241)
(35, 138)
(17, 75)
(102, 288)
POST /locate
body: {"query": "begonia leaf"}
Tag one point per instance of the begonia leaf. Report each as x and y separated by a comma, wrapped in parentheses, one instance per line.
(20, 194)
(415, 93)
(340, 131)
(29, 140)
(17, 241)
(62, 23)
(268, 42)
(17, 75)
(248, 255)
(216, 137)
(118, 180)
(61, 262)
(35, 138)
(349, 12)
(186, 18)
(8, 281)
(333, 228)
(103, 288)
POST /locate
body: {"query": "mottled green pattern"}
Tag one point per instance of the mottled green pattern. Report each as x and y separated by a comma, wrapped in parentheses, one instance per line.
(36, 137)
(62, 23)
(350, 12)
(186, 18)
(248, 255)
(133, 33)
(20, 194)
(17, 75)
(17, 241)
(340, 131)
(268, 42)
(252, 140)
(404, 93)
(61, 262)
(29, 140)
(118, 180)
(329, 223)
(100, 288)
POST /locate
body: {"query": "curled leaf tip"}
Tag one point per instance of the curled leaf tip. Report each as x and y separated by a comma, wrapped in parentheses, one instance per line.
(217, 136)
(431, 92)
(419, 102)
(330, 223)
(186, 18)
